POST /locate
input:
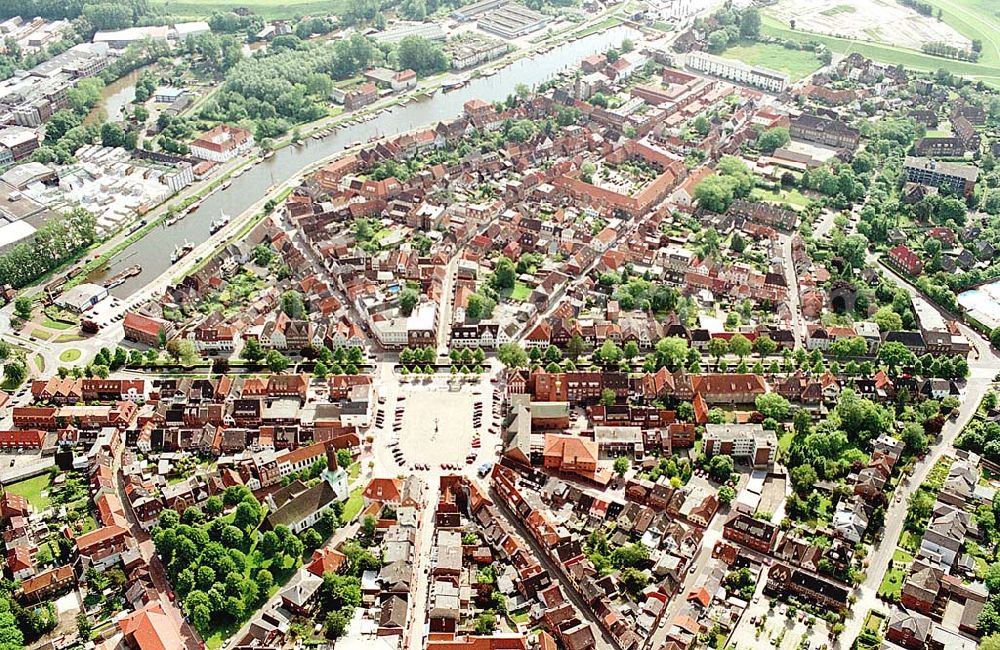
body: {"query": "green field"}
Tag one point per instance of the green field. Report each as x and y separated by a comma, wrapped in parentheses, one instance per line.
(838, 9)
(268, 9)
(353, 506)
(892, 583)
(31, 489)
(888, 54)
(977, 21)
(792, 197)
(795, 63)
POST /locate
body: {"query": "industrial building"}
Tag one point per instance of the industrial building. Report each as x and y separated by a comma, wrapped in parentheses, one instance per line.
(430, 31)
(512, 21)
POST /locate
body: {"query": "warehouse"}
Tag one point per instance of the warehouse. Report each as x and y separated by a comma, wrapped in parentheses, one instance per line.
(512, 21)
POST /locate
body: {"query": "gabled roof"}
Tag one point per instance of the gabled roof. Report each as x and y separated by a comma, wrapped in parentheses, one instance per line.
(151, 629)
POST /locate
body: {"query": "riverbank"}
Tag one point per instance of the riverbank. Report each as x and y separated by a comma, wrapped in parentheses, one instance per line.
(152, 249)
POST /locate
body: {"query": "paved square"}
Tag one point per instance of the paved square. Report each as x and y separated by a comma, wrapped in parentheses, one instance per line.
(451, 410)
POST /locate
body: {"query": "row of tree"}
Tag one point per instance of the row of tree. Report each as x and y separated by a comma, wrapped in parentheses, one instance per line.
(56, 242)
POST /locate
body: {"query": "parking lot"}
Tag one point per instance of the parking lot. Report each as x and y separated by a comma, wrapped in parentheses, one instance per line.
(436, 426)
(439, 424)
(784, 627)
(15, 466)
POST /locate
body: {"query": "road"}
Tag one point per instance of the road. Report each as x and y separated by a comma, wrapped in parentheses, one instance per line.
(702, 563)
(983, 365)
(159, 577)
(792, 282)
(603, 641)
(447, 303)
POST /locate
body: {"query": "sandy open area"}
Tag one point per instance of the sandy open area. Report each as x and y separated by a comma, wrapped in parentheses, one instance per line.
(883, 21)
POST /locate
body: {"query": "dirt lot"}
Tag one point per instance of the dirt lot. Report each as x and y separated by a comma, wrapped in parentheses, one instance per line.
(883, 21)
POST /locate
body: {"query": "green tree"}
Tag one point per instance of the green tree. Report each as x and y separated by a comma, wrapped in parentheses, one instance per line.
(803, 478)
(721, 467)
(750, 23)
(485, 624)
(292, 304)
(726, 495)
(23, 307)
(252, 351)
(895, 356)
(504, 274)
(772, 405)
(764, 345)
(408, 300)
(276, 361)
(512, 355)
(739, 345)
(772, 139)
(621, 465)
(888, 320)
(575, 347)
(717, 347)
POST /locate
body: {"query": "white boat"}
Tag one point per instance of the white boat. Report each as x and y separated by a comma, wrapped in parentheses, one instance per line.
(218, 224)
(181, 250)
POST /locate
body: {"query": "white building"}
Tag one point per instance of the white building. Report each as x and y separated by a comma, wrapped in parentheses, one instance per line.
(733, 70)
(119, 39)
(223, 143)
(182, 30)
(748, 441)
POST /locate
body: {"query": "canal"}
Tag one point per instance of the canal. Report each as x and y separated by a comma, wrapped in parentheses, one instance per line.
(153, 251)
(114, 97)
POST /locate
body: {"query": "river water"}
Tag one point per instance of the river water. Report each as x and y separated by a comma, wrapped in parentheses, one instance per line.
(153, 251)
(114, 97)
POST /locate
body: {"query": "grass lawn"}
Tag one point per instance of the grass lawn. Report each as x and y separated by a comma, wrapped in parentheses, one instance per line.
(41, 334)
(68, 338)
(909, 541)
(792, 197)
(39, 362)
(31, 489)
(267, 9)
(796, 63)
(55, 325)
(838, 9)
(607, 23)
(887, 53)
(354, 470)
(785, 441)
(892, 583)
(353, 505)
(874, 621)
(520, 292)
(68, 356)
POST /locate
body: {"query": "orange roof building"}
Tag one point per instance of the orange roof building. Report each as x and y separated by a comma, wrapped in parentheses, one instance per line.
(326, 560)
(383, 490)
(151, 629)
